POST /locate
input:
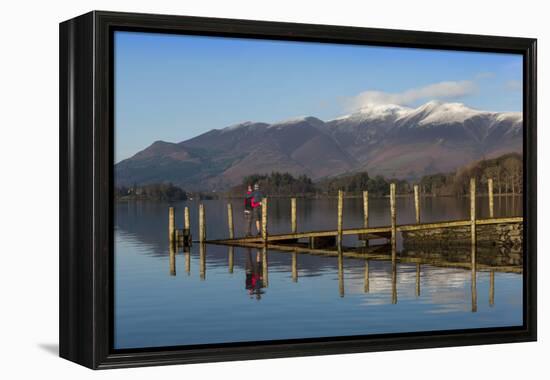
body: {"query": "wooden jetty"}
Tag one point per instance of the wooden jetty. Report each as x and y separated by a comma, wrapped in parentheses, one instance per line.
(317, 242)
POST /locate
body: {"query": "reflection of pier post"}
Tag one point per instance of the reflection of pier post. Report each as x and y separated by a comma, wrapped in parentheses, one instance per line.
(366, 288)
(265, 268)
(294, 267)
(187, 253)
(491, 200)
(171, 226)
(202, 261)
(474, 279)
(293, 223)
(202, 224)
(340, 272)
(394, 281)
(172, 259)
(230, 220)
(417, 203)
(340, 218)
(264, 220)
(393, 217)
(418, 279)
(492, 288)
(231, 259)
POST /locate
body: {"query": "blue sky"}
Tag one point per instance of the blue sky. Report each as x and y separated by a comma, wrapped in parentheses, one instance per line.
(174, 87)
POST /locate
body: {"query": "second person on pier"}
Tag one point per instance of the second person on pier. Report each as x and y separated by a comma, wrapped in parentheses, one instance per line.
(257, 197)
(248, 211)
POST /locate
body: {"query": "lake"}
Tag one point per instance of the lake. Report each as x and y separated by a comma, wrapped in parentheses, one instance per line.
(220, 294)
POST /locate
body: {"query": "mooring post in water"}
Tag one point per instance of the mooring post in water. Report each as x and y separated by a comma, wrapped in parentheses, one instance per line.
(293, 225)
(264, 220)
(230, 254)
(366, 288)
(473, 212)
(417, 203)
(294, 267)
(202, 224)
(366, 209)
(491, 201)
(172, 259)
(492, 288)
(186, 223)
(202, 261)
(171, 226)
(393, 218)
(340, 217)
(230, 221)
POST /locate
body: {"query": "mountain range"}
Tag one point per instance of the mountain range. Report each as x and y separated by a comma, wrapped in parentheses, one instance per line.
(390, 140)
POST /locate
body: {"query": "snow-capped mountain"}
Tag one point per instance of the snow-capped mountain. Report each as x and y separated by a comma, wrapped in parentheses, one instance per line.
(391, 140)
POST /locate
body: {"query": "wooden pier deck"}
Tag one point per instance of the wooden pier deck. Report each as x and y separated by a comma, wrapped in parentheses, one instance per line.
(383, 232)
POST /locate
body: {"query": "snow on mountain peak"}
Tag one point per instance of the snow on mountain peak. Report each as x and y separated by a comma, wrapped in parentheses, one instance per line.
(377, 111)
(447, 113)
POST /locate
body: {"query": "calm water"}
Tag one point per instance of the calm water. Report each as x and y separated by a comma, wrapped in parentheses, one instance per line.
(203, 296)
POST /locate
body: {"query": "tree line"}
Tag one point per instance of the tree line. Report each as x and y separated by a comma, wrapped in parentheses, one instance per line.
(154, 191)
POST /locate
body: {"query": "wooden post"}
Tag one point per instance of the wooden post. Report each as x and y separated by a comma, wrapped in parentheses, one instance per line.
(492, 288)
(473, 212)
(340, 216)
(293, 225)
(172, 259)
(202, 224)
(230, 221)
(171, 226)
(491, 201)
(366, 288)
(393, 218)
(417, 203)
(231, 259)
(418, 280)
(264, 220)
(186, 223)
(474, 278)
(294, 267)
(366, 209)
(202, 261)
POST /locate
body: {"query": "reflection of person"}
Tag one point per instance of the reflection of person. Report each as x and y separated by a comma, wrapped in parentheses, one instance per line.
(257, 197)
(254, 281)
(248, 210)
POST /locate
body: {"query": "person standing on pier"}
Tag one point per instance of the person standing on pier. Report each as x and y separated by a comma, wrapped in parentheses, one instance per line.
(248, 210)
(257, 197)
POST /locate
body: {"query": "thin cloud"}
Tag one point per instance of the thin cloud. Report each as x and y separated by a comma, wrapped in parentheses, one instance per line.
(441, 90)
(513, 85)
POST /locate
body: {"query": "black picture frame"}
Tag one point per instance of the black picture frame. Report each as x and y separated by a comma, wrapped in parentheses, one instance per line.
(86, 188)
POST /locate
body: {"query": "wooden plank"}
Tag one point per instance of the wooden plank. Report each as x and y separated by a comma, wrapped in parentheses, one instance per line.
(380, 231)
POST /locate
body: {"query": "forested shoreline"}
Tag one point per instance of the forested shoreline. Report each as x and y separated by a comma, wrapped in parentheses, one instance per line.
(506, 171)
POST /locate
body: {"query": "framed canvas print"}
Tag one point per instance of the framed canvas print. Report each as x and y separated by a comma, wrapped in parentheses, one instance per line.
(237, 189)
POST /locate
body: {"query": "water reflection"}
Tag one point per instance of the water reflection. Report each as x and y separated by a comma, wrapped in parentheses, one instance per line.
(255, 274)
(348, 290)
